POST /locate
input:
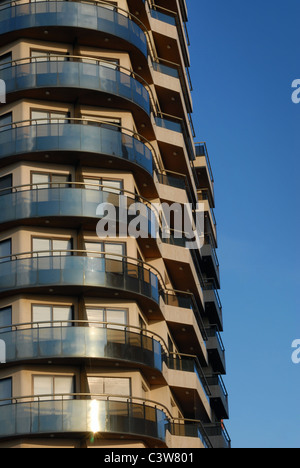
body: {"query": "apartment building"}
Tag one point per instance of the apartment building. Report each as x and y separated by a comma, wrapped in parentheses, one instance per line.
(105, 341)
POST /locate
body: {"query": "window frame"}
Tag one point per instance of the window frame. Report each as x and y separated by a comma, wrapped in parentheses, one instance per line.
(105, 316)
(8, 327)
(7, 126)
(50, 175)
(9, 240)
(51, 250)
(8, 190)
(53, 377)
(51, 325)
(10, 379)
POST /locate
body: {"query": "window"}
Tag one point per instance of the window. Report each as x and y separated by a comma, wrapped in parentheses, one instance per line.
(110, 316)
(56, 387)
(46, 180)
(109, 386)
(106, 247)
(112, 186)
(43, 117)
(115, 257)
(46, 314)
(51, 247)
(117, 249)
(142, 323)
(107, 185)
(5, 391)
(5, 60)
(110, 63)
(5, 319)
(108, 5)
(42, 55)
(104, 122)
(5, 122)
(5, 250)
(6, 184)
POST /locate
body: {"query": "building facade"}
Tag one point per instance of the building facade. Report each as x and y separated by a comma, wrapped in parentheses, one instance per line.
(104, 341)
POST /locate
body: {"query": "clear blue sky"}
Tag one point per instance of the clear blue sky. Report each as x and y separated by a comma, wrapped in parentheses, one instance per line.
(245, 55)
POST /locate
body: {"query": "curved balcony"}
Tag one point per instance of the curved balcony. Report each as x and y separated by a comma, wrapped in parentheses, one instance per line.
(82, 414)
(76, 202)
(63, 21)
(90, 81)
(93, 142)
(70, 271)
(82, 340)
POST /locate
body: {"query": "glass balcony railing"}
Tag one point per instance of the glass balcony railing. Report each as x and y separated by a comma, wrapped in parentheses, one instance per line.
(166, 18)
(74, 72)
(190, 429)
(218, 435)
(72, 199)
(79, 268)
(74, 136)
(166, 70)
(189, 364)
(82, 339)
(81, 413)
(93, 16)
(178, 126)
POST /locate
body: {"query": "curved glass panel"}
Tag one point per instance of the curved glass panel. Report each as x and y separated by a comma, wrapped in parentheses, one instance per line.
(72, 74)
(82, 342)
(60, 201)
(80, 416)
(98, 272)
(74, 138)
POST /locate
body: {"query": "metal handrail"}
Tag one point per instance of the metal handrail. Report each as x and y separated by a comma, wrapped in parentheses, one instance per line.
(101, 254)
(182, 32)
(91, 396)
(210, 285)
(86, 323)
(208, 236)
(199, 320)
(195, 359)
(161, 283)
(112, 326)
(196, 422)
(85, 121)
(82, 59)
(203, 194)
(214, 332)
(203, 143)
(84, 185)
(187, 131)
(104, 397)
(106, 325)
